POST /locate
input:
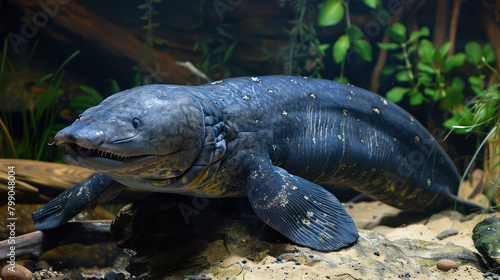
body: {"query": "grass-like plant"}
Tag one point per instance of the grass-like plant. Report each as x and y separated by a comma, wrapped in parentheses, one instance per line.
(37, 118)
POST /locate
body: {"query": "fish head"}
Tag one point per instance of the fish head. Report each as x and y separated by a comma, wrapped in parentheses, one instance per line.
(153, 132)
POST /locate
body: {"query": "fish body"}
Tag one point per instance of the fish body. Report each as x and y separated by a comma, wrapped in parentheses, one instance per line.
(275, 139)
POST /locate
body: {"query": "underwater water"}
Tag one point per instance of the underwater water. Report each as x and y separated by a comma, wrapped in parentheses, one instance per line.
(437, 60)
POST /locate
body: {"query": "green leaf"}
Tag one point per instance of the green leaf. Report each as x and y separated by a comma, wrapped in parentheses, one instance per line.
(397, 32)
(158, 42)
(488, 53)
(412, 48)
(476, 81)
(364, 48)
(438, 59)
(403, 76)
(454, 93)
(399, 56)
(426, 68)
(389, 70)
(371, 3)
(114, 86)
(354, 33)
(331, 12)
(415, 35)
(340, 48)
(445, 48)
(396, 94)
(322, 48)
(474, 52)
(426, 51)
(44, 78)
(229, 52)
(388, 46)
(455, 121)
(424, 78)
(431, 92)
(93, 93)
(462, 116)
(453, 61)
(341, 80)
(416, 99)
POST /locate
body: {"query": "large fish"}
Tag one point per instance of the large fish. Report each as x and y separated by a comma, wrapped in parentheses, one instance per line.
(274, 139)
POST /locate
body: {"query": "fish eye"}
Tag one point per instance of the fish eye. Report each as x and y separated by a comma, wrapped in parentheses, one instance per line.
(80, 116)
(136, 123)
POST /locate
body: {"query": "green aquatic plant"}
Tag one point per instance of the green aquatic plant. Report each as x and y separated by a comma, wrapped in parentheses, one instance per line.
(426, 70)
(304, 53)
(217, 45)
(331, 12)
(5, 131)
(148, 17)
(37, 118)
(481, 116)
(425, 73)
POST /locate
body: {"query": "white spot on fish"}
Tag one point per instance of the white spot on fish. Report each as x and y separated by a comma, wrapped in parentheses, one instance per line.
(344, 112)
(216, 82)
(285, 113)
(376, 110)
(312, 96)
(246, 97)
(270, 91)
(255, 79)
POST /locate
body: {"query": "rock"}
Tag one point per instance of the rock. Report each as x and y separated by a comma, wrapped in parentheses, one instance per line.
(486, 237)
(16, 272)
(446, 265)
(447, 233)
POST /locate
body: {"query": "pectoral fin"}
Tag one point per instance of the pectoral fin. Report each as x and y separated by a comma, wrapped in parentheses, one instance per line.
(302, 211)
(74, 200)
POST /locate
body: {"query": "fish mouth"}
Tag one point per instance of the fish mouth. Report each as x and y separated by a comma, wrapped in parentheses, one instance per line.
(74, 149)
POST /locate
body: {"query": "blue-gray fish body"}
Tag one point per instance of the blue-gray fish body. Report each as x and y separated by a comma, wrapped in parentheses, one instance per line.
(275, 139)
